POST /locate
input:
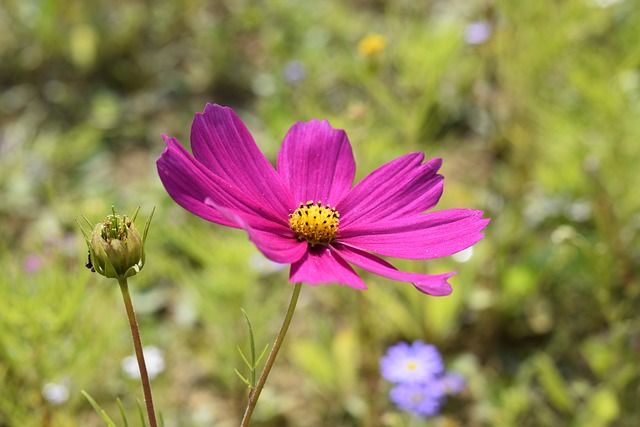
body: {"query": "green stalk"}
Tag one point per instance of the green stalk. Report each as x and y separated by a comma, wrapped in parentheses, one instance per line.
(137, 344)
(255, 393)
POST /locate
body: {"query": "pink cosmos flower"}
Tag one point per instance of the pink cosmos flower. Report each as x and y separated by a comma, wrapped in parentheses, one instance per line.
(305, 211)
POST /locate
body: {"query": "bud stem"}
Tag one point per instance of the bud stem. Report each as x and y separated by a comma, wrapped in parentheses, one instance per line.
(137, 344)
(255, 393)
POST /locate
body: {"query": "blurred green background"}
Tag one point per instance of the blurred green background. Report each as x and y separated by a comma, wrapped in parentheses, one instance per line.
(532, 105)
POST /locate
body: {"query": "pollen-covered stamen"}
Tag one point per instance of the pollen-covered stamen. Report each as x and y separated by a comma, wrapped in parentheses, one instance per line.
(315, 223)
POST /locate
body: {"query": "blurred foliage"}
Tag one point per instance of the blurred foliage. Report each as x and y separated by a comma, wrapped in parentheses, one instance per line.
(536, 122)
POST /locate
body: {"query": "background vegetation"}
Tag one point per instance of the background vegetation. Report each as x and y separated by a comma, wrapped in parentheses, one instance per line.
(537, 123)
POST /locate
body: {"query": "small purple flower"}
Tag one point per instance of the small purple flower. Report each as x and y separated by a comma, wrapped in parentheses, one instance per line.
(307, 212)
(477, 32)
(411, 363)
(294, 72)
(422, 399)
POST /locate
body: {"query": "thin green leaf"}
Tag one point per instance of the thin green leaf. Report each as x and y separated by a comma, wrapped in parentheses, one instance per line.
(264, 353)
(244, 358)
(244, 380)
(135, 214)
(88, 222)
(146, 225)
(253, 348)
(251, 340)
(99, 410)
(85, 233)
(122, 412)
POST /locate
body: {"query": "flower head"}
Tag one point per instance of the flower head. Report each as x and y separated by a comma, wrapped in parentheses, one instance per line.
(422, 399)
(116, 248)
(411, 363)
(306, 213)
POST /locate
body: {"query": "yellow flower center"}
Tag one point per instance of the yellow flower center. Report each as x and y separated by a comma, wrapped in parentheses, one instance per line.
(412, 366)
(315, 223)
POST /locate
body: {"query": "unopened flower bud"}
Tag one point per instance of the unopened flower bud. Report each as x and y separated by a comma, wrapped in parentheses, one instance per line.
(116, 249)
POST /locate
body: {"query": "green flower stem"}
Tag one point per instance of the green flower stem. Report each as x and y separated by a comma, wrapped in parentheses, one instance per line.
(137, 344)
(255, 393)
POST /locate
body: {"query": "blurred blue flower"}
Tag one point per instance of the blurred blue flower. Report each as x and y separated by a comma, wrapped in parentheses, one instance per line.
(411, 363)
(422, 399)
(421, 383)
(477, 32)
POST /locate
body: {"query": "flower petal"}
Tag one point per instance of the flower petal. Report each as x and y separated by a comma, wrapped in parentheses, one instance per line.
(401, 187)
(278, 245)
(435, 285)
(186, 182)
(316, 162)
(430, 235)
(190, 184)
(321, 265)
(221, 142)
